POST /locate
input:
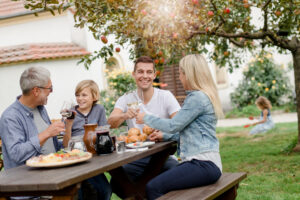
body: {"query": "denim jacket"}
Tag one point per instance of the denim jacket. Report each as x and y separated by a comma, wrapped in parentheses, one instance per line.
(20, 136)
(195, 122)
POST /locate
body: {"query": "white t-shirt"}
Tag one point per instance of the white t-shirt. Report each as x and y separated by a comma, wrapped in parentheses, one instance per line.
(162, 104)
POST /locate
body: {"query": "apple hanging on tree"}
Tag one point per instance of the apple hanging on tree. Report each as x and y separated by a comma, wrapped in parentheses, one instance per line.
(226, 11)
(160, 54)
(195, 2)
(104, 39)
(210, 13)
(277, 13)
(162, 61)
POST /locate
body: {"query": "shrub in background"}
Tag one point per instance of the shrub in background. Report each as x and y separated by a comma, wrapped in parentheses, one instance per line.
(262, 77)
(119, 82)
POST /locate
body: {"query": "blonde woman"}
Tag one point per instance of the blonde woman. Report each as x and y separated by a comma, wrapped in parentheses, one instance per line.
(195, 123)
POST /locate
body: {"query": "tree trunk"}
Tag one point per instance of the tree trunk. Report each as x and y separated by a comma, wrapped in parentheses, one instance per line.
(296, 59)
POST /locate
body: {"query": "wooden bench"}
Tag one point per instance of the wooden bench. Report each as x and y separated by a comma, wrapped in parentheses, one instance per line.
(224, 189)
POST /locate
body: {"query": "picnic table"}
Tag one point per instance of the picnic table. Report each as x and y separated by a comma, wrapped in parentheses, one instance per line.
(63, 183)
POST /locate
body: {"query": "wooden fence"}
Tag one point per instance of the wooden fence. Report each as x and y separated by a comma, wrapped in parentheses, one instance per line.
(170, 75)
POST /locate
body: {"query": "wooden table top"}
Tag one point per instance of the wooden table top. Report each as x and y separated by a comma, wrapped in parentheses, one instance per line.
(25, 178)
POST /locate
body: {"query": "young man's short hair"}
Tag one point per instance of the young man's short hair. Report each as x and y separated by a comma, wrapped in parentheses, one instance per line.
(144, 59)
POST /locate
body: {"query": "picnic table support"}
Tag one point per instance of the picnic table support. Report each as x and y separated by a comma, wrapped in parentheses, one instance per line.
(126, 188)
(229, 194)
(67, 193)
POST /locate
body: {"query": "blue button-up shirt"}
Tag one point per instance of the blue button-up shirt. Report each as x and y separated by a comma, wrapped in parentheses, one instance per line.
(20, 135)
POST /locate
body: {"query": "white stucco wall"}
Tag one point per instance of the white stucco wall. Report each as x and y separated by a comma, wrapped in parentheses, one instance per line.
(52, 29)
(65, 75)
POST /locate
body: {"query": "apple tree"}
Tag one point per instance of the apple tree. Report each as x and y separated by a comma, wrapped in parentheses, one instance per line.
(169, 29)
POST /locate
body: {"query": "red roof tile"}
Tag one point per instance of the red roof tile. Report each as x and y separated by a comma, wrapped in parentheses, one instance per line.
(33, 52)
(8, 7)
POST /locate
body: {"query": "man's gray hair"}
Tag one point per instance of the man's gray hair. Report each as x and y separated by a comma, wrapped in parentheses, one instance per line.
(34, 77)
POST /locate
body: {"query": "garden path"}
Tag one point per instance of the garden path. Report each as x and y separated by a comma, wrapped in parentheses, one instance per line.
(277, 118)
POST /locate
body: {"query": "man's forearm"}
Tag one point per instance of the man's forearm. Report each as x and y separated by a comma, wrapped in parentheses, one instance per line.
(116, 120)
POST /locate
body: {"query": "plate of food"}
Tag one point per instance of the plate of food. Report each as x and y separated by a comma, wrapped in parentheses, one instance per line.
(140, 144)
(59, 159)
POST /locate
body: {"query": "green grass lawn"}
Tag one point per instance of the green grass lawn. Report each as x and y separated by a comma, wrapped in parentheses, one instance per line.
(273, 171)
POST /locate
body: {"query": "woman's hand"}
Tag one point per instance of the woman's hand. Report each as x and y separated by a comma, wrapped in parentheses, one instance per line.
(140, 118)
(156, 136)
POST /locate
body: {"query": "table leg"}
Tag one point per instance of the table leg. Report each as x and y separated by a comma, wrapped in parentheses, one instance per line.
(67, 193)
(126, 188)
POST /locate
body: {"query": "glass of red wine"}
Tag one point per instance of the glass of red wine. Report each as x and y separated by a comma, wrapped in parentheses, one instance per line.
(67, 110)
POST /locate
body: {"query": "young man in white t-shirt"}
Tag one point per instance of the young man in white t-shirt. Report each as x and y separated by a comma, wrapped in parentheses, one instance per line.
(160, 103)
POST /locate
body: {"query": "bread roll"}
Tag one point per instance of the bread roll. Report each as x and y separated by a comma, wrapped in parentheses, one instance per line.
(147, 130)
(134, 131)
(133, 138)
(143, 137)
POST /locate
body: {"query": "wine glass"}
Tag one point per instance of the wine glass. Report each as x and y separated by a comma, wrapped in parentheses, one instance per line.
(66, 110)
(139, 96)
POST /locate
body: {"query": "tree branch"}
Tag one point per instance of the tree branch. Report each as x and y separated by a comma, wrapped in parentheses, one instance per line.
(277, 41)
(239, 44)
(265, 9)
(215, 8)
(283, 43)
(266, 4)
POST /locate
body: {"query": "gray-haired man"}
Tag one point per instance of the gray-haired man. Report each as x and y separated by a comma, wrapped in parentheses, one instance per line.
(25, 126)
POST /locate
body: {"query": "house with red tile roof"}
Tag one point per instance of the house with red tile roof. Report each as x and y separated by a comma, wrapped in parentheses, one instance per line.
(52, 42)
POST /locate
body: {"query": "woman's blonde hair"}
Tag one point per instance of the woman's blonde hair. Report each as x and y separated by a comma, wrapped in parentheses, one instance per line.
(88, 84)
(263, 102)
(198, 77)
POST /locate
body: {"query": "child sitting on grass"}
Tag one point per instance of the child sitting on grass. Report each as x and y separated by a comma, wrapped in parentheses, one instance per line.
(265, 122)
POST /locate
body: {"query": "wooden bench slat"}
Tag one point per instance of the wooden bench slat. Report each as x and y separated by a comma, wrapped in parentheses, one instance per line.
(227, 181)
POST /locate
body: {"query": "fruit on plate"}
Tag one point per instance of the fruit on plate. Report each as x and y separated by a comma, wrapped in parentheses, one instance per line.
(147, 130)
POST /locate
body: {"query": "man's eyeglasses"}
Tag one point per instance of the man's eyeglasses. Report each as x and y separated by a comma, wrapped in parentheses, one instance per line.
(49, 88)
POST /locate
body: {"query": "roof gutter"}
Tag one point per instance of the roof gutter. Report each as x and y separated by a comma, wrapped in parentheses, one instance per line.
(29, 12)
(20, 14)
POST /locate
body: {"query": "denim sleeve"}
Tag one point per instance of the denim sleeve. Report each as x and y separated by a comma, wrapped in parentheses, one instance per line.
(18, 147)
(171, 137)
(193, 106)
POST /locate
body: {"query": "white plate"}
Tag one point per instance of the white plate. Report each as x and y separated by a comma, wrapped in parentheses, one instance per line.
(140, 144)
(32, 163)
